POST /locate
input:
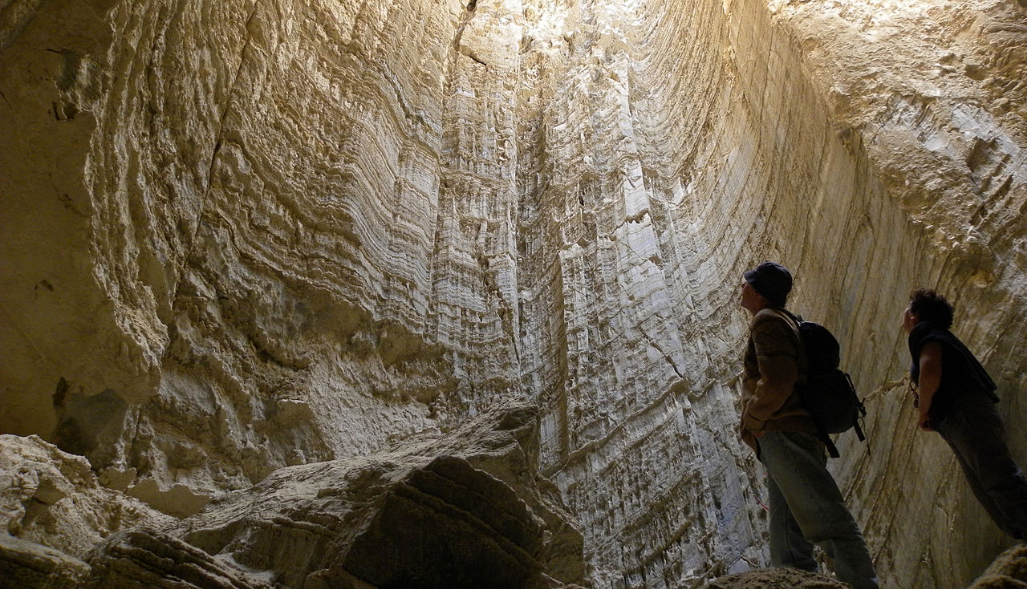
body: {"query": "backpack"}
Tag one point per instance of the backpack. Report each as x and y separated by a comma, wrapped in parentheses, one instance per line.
(828, 394)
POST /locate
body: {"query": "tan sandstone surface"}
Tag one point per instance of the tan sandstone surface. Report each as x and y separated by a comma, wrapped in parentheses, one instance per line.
(298, 260)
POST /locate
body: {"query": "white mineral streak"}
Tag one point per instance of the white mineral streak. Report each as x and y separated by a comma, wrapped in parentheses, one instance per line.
(244, 234)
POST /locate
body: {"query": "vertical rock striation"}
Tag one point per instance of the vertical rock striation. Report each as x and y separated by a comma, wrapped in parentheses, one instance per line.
(246, 235)
(933, 95)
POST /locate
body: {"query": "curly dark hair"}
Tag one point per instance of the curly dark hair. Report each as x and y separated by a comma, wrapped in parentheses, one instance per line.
(928, 305)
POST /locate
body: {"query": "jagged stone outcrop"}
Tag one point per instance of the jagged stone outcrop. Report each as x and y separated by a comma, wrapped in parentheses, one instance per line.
(143, 557)
(25, 564)
(250, 234)
(463, 510)
(776, 579)
(55, 499)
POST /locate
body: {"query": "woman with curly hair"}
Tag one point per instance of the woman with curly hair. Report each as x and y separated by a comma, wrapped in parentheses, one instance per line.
(957, 399)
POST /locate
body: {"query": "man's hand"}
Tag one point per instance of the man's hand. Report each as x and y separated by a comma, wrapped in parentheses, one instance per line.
(925, 423)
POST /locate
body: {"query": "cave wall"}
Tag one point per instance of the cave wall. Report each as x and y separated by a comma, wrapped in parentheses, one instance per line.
(264, 180)
(932, 95)
(239, 236)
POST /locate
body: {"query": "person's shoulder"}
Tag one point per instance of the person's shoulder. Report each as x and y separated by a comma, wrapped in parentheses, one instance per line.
(773, 333)
(937, 333)
(770, 314)
(772, 320)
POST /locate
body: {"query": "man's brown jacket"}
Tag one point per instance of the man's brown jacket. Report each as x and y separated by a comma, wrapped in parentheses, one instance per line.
(774, 364)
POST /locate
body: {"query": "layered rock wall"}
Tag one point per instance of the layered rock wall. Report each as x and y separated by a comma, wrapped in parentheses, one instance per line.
(262, 183)
(932, 94)
(239, 236)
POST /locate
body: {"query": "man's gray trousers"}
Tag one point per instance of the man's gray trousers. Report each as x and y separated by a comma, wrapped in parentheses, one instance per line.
(807, 508)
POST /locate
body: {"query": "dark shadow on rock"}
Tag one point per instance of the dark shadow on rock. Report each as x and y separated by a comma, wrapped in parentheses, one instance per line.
(449, 526)
(467, 509)
(87, 423)
(27, 565)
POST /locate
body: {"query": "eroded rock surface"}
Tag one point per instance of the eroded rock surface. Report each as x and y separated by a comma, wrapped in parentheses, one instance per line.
(463, 510)
(245, 235)
(55, 499)
(776, 579)
(25, 564)
(143, 557)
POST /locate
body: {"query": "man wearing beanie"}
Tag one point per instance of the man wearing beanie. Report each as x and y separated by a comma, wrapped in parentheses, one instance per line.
(806, 506)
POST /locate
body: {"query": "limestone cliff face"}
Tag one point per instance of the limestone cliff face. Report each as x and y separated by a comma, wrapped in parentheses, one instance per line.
(250, 234)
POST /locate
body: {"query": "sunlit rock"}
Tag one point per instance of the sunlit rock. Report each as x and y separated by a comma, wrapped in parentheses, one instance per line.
(245, 236)
(55, 499)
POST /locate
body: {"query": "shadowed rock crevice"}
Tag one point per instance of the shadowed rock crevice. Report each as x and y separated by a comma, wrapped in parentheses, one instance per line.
(450, 526)
(424, 517)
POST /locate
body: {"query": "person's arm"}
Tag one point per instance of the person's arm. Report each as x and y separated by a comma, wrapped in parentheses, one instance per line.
(930, 380)
(775, 386)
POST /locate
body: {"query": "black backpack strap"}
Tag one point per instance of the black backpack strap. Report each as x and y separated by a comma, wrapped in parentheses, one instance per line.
(861, 412)
(831, 448)
(859, 431)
